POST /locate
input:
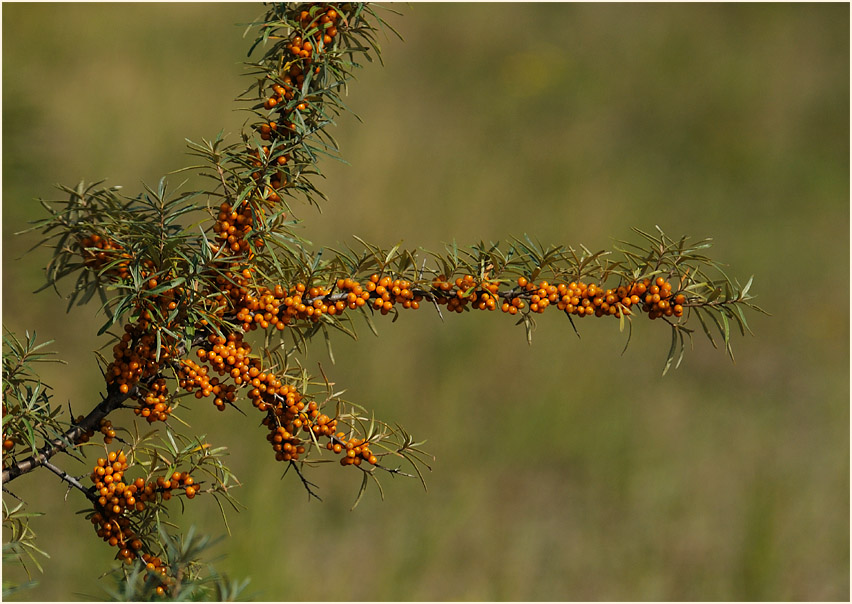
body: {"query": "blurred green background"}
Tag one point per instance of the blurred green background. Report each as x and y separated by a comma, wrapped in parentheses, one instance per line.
(564, 471)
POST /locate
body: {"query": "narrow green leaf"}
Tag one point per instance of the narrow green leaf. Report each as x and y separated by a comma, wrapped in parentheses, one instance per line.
(629, 336)
(672, 351)
(682, 348)
(364, 483)
(744, 292)
(727, 326)
(30, 434)
(697, 311)
(224, 515)
(369, 321)
(328, 344)
(742, 320)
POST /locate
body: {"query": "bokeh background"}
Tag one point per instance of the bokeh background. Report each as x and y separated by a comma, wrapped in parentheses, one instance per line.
(563, 470)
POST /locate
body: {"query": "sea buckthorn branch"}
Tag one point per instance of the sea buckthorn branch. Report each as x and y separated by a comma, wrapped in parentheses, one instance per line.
(312, 51)
(669, 280)
(295, 423)
(183, 293)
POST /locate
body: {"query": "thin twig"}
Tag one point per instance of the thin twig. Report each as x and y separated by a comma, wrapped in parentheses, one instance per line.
(70, 480)
(5, 490)
(394, 471)
(222, 176)
(305, 482)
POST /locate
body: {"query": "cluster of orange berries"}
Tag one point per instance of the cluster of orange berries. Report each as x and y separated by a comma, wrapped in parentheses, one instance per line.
(291, 413)
(267, 131)
(230, 354)
(287, 415)
(86, 435)
(232, 226)
(303, 50)
(317, 302)
(277, 180)
(575, 298)
(292, 81)
(155, 564)
(230, 290)
(659, 300)
(389, 291)
(193, 376)
(164, 486)
(267, 392)
(140, 361)
(352, 295)
(107, 476)
(482, 296)
(357, 449)
(106, 253)
(278, 307)
(116, 531)
(116, 499)
(581, 299)
(115, 496)
(264, 309)
(325, 20)
(154, 405)
(107, 430)
(163, 304)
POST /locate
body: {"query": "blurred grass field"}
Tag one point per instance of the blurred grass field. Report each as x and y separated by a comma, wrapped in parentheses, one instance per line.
(564, 470)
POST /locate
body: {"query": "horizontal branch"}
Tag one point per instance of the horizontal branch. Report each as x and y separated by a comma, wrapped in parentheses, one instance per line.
(654, 298)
